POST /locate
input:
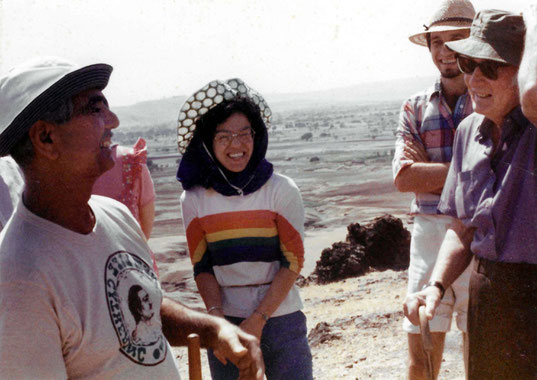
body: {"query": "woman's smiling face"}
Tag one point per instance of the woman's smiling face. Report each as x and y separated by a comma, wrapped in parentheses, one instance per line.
(233, 142)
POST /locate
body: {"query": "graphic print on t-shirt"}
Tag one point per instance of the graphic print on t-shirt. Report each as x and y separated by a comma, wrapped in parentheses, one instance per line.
(134, 296)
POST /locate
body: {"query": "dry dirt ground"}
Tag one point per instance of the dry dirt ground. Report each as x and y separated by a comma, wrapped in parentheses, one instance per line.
(357, 334)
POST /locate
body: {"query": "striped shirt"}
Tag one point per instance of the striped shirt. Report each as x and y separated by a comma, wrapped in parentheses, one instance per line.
(245, 240)
(427, 119)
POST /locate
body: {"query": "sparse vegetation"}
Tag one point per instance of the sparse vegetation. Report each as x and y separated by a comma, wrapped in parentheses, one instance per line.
(307, 136)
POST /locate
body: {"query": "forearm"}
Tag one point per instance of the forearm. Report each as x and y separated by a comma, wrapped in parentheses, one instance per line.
(422, 177)
(453, 258)
(210, 293)
(527, 74)
(147, 216)
(178, 321)
(278, 291)
(454, 255)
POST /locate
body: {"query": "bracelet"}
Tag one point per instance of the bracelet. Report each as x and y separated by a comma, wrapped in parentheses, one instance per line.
(437, 284)
(213, 308)
(265, 317)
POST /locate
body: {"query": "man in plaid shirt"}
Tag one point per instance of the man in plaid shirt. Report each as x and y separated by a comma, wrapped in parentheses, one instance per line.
(423, 150)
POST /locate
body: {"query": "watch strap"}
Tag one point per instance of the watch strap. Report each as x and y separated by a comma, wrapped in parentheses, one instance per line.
(437, 284)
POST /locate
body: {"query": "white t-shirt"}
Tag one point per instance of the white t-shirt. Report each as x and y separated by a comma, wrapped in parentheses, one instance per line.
(80, 306)
(11, 184)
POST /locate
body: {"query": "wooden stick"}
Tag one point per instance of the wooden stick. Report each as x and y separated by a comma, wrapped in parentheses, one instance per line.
(427, 341)
(194, 358)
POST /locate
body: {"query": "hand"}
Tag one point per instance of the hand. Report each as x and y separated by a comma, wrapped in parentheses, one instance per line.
(253, 325)
(430, 297)
(241, 348)
(415, 151)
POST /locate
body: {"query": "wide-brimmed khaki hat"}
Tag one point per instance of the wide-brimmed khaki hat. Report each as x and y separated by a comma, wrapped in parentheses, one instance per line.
(209, 97)
(35, 87)
(450, 15)
(496, 35)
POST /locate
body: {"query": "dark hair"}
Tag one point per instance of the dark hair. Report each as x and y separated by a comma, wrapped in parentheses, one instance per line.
(428, 38)
(23, 151)
(206, 124)
(135, 304)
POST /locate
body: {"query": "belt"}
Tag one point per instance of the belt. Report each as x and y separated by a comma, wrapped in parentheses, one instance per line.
(499, 268)
(246, 286)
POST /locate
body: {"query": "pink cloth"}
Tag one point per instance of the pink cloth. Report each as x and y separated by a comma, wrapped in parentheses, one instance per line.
(129, 180)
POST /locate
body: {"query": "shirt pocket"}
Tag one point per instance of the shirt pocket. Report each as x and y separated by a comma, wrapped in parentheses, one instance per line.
(464, 197)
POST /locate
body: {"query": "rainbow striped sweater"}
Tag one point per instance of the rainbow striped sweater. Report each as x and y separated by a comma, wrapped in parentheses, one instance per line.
(245, 240)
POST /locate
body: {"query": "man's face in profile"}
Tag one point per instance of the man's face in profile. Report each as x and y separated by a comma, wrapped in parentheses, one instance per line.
(86, 138)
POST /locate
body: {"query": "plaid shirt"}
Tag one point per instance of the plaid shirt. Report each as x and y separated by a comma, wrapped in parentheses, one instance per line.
(427, 119)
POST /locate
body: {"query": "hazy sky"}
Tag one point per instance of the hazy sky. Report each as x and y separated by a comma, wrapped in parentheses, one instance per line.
(161, 48)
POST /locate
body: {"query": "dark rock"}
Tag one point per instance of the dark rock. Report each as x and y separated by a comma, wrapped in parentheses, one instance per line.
(322, 333)
(341, 261)
(382, 244)
(386, 240)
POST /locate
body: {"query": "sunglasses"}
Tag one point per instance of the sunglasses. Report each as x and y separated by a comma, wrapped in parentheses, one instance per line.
(488, 67)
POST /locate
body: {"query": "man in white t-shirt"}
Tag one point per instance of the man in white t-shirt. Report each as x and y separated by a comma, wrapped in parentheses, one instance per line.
(75, 270)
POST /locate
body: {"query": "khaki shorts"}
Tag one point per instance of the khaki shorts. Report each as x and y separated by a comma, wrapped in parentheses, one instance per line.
(427, 236)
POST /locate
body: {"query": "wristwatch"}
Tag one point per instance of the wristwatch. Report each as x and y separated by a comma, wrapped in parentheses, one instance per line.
(437, 284)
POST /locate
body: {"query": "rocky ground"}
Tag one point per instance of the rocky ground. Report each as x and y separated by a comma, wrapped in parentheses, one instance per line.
(355, 330)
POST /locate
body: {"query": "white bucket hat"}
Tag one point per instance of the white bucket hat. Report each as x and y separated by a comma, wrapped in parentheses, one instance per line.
(35, 87)
(450, 15)
(207, 98)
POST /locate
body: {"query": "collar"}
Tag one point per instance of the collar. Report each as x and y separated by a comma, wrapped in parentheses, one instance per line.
(514, 122)
(437, 90)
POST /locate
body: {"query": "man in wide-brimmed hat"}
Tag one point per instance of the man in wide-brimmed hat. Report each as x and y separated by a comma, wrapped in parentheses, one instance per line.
(491, 191)
(427, 125)
(68, 260)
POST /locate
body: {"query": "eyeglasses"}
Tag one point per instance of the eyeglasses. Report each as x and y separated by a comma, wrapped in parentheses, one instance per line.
(488, 67)
(225, 138)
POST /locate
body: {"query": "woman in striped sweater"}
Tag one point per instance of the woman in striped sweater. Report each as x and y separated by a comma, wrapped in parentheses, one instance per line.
(244, 226)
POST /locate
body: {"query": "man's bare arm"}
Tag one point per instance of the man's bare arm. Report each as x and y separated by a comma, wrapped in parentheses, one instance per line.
(455, 254)
(422, 176)
(453, 258)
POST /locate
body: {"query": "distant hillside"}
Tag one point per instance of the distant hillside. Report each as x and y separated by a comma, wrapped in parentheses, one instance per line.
(150, 113)
(394, 90)
(164, 112)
